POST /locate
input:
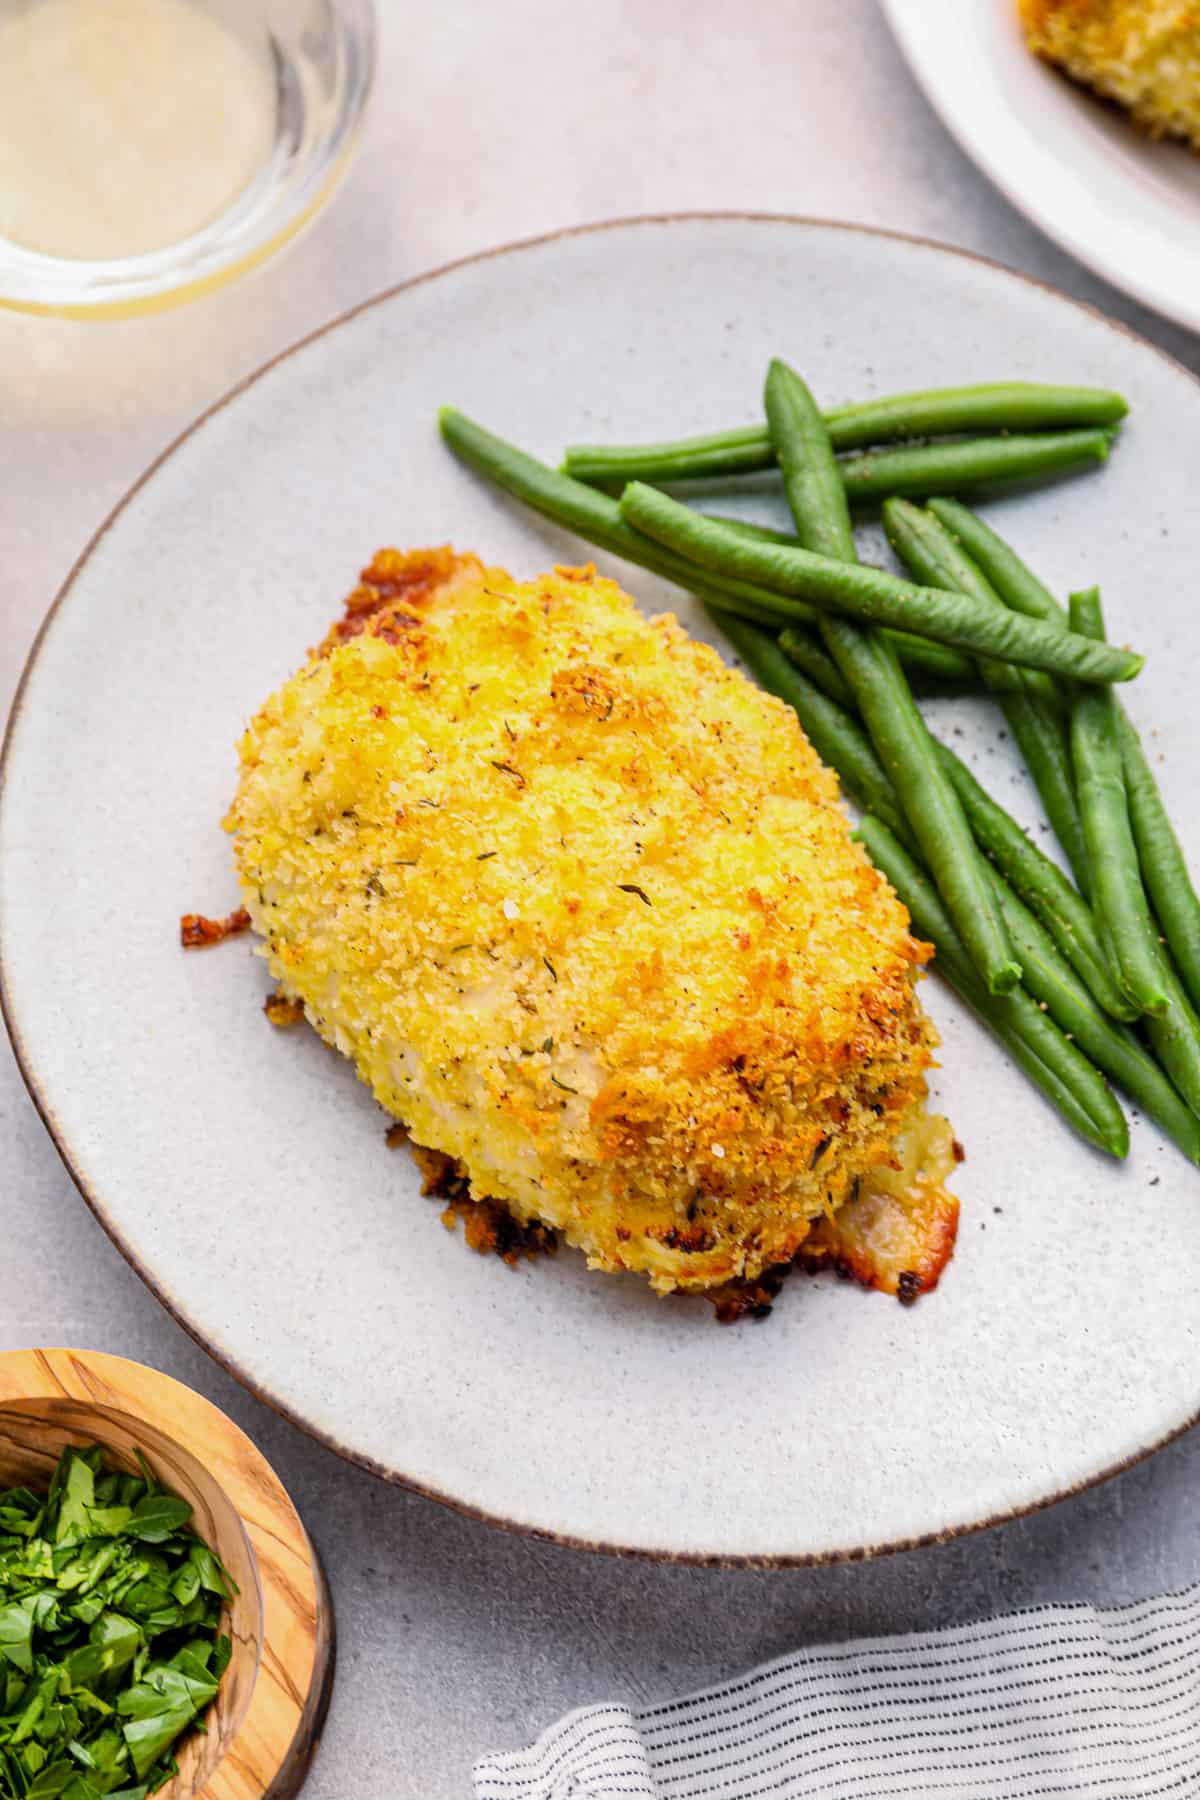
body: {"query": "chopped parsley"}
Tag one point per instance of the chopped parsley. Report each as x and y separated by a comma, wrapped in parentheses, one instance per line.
(110, 1639)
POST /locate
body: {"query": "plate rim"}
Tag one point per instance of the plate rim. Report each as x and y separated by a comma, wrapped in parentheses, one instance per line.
(43, 1105)
(1170, 306)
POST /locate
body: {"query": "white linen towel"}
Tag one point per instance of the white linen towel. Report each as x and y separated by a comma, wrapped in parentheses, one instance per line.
(1056, 1700)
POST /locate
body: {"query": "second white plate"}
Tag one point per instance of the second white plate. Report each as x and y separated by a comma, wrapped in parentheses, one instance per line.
(1126, 206)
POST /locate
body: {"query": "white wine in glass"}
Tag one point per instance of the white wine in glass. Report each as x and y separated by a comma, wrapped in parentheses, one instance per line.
(126, 125)
(153, 148)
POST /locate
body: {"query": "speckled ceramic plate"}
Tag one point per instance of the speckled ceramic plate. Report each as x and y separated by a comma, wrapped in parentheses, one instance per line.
(1125, 205)
(244, 1172)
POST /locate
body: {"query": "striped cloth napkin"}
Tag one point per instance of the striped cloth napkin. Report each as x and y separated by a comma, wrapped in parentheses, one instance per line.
(1057, 1700)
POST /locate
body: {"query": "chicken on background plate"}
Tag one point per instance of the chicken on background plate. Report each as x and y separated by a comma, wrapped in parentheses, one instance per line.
(1144, 54)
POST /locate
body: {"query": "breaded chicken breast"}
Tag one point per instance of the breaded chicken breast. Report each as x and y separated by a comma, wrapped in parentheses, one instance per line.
(1144, 54)
(582, 906)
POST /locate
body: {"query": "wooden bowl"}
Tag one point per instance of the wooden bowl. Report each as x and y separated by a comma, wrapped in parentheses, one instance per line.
(266, 1720)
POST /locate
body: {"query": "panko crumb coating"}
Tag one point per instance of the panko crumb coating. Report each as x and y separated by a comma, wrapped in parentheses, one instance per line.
(581, 904)
(1144, 54)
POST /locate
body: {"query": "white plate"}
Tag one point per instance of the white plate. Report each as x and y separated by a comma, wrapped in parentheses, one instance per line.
(244, 1171)
(1126, 206)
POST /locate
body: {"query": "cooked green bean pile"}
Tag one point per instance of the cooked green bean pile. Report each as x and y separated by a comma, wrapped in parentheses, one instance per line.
(1083, 982)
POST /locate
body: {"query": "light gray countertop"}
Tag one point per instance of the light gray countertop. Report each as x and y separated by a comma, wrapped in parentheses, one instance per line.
(495, 121)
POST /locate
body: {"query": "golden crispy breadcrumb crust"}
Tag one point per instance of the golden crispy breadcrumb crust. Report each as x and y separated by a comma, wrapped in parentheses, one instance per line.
(582, 906)
(897, 1236)
(1144, 54)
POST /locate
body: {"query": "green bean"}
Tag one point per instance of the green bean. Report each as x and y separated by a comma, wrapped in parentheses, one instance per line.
(935, 412)
(804, 650)
(968, 464)
(870, 595)
(1113, 1048)
(920, 655)
(572, 505)
(1042, 885)
(1104, 810)
(907, 752)
(765, 616)
(872, 672)
(1030, 701)
(1064, 914)
(991, 406)
(598, 519)
(1164, 867)
(743, 451)
(1033, 875)
(928, 556)
(932, 558)
(1022, 592)
(1040, 736)
(959, 465)
(837, 738)
(1175, 1038)
(811, 482)
(766, 534)
(1017, 585)
(1050, 979)
(932, 662)
(1030, 1036)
